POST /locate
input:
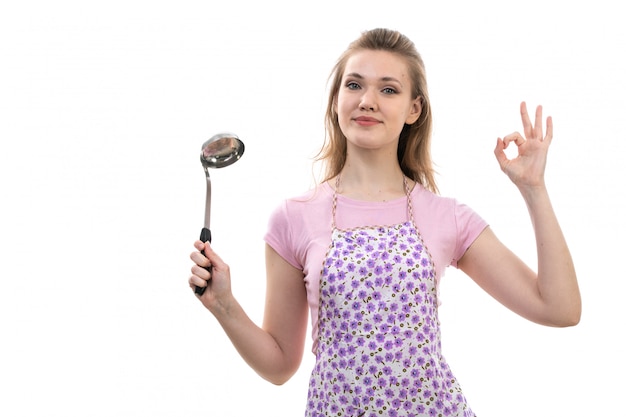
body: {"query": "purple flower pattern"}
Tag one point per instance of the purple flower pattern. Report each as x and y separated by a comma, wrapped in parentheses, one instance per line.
(379, 351)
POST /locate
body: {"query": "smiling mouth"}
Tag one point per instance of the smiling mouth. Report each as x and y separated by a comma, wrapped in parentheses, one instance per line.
(366, 121)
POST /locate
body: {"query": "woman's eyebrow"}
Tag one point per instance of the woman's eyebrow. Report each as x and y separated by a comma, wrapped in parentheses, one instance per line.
(385, 79)
(354, 75)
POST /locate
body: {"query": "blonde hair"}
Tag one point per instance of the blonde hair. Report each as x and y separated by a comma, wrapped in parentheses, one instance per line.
(414, 144)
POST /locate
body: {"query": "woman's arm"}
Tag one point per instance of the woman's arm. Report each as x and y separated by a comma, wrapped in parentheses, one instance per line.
(275, 350)
(551, 295)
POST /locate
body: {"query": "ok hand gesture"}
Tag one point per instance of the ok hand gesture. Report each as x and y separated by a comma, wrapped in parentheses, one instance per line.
(527, 169)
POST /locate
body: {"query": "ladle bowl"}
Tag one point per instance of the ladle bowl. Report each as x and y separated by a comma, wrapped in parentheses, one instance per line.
(221, 150)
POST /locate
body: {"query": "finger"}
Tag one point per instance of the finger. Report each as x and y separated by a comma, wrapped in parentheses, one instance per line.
(195, 281)
(201, 273)
(499, 153)
(199, 259)
(548, 137)
(515, 137)
(538, 123)
(213, 257)
(528, 126)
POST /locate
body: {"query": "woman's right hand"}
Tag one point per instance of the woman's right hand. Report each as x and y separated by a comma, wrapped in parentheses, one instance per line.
(216, 279)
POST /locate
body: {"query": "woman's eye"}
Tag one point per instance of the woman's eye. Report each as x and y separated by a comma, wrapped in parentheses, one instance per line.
(389, 90)
(352, 86)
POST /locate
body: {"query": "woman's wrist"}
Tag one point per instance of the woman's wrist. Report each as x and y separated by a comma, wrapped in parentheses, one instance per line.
(533, 193)
(223, 307)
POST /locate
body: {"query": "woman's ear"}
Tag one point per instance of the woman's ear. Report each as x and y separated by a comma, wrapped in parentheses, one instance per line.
(416, 111)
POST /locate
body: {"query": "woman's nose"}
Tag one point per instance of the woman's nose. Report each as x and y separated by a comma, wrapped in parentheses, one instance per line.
(368, 102)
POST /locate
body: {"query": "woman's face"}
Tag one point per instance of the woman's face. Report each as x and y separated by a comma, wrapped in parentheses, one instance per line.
(374, 100)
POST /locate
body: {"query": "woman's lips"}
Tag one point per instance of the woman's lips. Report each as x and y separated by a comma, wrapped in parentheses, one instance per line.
(366, 121)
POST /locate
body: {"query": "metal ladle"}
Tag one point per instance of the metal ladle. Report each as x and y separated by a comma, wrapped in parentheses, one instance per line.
(220, 151)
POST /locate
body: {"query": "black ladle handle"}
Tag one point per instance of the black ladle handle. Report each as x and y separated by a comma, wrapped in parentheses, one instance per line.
(205, 236)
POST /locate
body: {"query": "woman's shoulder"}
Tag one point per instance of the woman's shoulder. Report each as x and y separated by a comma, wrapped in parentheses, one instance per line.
(437, 204)
(299, 215)
(320, 194)
(306, 202)
(427, 196)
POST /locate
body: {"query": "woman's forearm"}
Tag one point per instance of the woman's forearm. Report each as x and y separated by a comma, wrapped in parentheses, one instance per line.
(557, 282)
(255, 345)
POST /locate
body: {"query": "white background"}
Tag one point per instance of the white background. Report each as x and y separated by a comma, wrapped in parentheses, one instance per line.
(104, 106)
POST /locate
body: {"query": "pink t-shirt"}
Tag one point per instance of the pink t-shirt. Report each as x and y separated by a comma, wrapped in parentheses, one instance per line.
(300, 230)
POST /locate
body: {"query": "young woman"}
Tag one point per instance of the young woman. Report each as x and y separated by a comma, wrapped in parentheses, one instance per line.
(364, 250)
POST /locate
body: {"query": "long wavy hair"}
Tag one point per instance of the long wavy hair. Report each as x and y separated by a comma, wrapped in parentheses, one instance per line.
(414, 143)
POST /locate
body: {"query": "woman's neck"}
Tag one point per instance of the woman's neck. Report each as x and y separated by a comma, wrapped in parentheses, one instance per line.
(383, 183)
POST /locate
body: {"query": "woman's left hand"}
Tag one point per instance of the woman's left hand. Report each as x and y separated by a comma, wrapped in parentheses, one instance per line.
(527, 169)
